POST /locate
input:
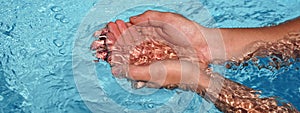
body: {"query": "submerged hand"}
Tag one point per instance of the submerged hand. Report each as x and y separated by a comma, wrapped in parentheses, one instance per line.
(179, 33)
(175, 29)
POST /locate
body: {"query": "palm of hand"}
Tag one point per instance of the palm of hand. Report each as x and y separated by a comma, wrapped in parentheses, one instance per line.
(180, 34)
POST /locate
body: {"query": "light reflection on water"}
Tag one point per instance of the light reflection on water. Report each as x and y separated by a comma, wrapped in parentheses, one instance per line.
(36, 48)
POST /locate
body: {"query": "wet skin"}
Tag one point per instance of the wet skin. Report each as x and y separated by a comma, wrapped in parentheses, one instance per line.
(183, 33)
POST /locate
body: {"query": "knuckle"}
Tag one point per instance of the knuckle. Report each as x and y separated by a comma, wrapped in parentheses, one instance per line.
(149, 11)
(152, 13)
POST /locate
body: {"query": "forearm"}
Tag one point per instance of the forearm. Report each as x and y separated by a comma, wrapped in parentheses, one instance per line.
(237, 39)
(231, 97)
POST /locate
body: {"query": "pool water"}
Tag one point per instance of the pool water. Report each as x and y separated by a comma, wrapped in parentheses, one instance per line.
(40, 41)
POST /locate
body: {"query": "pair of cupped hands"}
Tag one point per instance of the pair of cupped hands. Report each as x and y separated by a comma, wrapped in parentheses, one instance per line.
(178, 32)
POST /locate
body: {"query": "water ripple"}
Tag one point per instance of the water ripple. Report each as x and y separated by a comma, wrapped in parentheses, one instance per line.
(37, 38)
(56, 8)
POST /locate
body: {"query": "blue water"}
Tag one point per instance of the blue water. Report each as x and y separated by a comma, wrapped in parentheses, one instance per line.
(37, 53)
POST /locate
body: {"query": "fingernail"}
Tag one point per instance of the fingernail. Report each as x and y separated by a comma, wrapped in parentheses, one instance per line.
(117, 21)
(134, 17)
(97, 44)
(104, 31)
(97, 33)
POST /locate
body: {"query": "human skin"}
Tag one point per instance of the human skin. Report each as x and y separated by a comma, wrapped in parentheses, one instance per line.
(166, 25)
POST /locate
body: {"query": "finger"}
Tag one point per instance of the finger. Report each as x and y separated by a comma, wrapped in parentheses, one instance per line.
(161, 33)
(97, 33)
(133, 32)
(163, 20)
(136, 34)
(155, 72)
(139, 73)
(167, 72)
(100, 32)
(125, 34)
(101, 55)
(97, 44)
(111, 39)
(149, 18)
(121, 25)
(148, 31)
(119, 64)
(128, 24)
(113, 28)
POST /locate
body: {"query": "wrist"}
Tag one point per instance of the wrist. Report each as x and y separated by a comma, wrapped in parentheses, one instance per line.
(204, 81)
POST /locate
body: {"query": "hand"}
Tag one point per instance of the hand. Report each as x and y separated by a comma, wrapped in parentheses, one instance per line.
(179, 33)
(175, 29)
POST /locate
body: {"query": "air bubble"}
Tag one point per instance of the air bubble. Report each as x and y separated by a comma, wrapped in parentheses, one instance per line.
(56, 8)
(62, 51)
(59, 16)
(8, 37)
(58, 42)
(64, 20)
(150, 105)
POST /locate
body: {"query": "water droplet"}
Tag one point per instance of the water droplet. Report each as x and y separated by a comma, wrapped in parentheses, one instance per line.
(42, 9)
(56, 8)
(13, 50)
(1, 97)
(64, 20)
(62, 51)
(59, 16)
(58, 42)
(150, 105)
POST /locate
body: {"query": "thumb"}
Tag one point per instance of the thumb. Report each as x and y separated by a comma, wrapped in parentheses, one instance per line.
(166, 72)
(139, 73)
(149, 18)
(156, 72)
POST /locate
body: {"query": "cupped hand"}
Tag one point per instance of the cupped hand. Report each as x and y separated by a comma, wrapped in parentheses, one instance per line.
(179, 33)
